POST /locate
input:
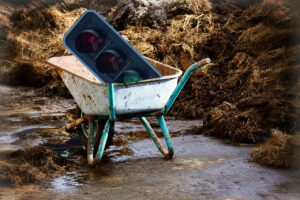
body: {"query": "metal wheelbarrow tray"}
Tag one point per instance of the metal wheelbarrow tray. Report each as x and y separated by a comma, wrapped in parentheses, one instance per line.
(117, 101)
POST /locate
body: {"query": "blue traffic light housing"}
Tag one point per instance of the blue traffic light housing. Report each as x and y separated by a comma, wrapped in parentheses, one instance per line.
(105, 52)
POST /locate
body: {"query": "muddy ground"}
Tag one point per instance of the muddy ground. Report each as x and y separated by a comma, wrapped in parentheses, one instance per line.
(249, 94)
(203, 167)
(32, 125)
(251, 88)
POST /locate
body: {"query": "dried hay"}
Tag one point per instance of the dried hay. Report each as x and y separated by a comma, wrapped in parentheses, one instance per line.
(276, 152)
(31, 166)
(248, 89)
(34, 36)
(153, 14)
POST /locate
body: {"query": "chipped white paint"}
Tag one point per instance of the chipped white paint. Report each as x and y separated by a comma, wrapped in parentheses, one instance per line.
(132, 98)
(91, 98)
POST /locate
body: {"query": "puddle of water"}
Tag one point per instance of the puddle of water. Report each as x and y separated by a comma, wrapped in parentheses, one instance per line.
(218, 172)
(23, 112)
(7, 139)
(26, 131)
(14, 119)
(173, 125)
(68, 183)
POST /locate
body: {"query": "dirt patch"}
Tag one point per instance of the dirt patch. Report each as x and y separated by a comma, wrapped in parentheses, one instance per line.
(278, 151)
(125, 151)
(120, 141)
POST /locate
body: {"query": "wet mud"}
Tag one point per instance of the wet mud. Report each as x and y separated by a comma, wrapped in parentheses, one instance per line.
(28, 121)
(35, 146)
(202, 168)
(132, 168)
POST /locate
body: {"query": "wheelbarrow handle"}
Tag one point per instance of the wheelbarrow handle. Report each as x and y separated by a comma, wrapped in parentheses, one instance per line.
(182, 82)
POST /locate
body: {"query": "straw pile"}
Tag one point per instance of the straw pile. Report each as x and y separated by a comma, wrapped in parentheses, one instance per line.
(35, 35)
(31, 166)
(276, 152)
(252, 85)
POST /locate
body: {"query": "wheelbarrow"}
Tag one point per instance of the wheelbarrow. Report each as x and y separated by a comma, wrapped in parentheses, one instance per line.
(109, 102)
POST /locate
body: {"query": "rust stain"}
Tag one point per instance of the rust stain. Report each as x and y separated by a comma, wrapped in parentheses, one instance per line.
(76, 123)
(90, 156)
(61, 74)
(156, 113)
(104, 92)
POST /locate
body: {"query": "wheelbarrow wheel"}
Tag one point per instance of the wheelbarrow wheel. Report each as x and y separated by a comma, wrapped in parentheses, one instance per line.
(82, 131)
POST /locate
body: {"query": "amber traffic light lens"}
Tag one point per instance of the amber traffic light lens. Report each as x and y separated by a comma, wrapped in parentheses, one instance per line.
(88, 41)
(109, 61)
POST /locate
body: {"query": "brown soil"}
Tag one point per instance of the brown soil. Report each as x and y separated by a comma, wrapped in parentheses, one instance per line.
(36, 164)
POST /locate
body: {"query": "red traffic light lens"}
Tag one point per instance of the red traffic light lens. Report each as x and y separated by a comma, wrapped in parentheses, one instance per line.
(88, 41)
(109, 61)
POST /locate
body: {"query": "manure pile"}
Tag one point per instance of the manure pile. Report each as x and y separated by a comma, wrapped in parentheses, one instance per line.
(251, 88)
(252, 85)
(34, 35)
(276, 152)
(38, 164)
(31, 166)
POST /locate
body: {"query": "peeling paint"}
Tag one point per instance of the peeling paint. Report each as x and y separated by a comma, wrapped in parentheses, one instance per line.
(129, 99)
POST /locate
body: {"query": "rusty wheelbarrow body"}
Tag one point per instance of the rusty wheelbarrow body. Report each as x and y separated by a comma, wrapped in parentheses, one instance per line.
(117, 101)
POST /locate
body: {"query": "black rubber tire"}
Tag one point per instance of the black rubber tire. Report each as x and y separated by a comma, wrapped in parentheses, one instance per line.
(99, 126)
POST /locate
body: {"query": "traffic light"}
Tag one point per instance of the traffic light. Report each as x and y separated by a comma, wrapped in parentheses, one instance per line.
(105, 52)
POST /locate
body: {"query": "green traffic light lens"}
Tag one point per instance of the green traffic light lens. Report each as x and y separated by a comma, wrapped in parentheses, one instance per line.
(131, 76)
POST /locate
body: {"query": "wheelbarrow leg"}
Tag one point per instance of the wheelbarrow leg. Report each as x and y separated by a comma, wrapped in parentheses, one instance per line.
(103, 141)
(90, 145)
(167, 137)
(90, 148)
(169, 154)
